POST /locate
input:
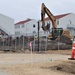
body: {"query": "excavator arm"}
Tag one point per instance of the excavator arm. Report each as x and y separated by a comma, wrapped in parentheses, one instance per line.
(45, 10)
(55, 31)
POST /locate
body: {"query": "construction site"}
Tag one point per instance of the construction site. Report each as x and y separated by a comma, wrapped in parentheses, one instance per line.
(39, 55)
(54, 62)
(30, 56)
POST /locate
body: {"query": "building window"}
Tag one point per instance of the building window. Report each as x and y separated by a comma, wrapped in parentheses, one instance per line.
(70, 21)
(17, 26)
(17, 33)
(22, 25)
(57, 22)
(33, 25)
(34, 32)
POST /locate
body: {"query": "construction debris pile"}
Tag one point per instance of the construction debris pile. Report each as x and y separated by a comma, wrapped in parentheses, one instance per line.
(64, 39)
(62, 43)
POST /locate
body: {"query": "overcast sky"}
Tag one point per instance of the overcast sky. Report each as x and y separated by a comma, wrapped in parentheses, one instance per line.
(23, 9)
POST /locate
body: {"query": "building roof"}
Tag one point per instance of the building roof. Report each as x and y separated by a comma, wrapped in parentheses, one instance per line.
(58, 16)
(22, 22)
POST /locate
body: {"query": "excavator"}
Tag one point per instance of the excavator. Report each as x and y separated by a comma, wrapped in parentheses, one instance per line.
(55, 31)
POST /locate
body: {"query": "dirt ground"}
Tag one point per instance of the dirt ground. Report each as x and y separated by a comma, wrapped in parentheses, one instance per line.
(42, 63)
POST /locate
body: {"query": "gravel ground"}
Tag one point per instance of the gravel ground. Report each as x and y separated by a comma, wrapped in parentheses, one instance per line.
(3, 73)
(32, 64)
(28, 58)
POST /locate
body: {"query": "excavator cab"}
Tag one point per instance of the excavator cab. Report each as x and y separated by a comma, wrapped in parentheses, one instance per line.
(56, 32)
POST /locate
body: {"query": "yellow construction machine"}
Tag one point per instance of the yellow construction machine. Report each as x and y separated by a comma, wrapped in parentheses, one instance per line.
(55, 31)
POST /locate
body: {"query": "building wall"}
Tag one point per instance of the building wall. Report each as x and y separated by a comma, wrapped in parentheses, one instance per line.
(7, 24)
(68, 22)
(26, 28)
(65, 21)
(61, 23)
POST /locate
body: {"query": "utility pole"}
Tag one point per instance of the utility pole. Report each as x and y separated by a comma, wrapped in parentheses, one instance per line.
(38, 36)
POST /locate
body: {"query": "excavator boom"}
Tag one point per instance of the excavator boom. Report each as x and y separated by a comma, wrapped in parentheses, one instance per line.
(45, 10)
(55, 31)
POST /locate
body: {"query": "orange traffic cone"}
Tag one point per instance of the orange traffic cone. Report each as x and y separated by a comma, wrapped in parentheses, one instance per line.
(73, 52)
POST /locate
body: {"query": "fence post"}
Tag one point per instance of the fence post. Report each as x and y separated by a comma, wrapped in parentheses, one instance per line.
(23, 42)
(15, 42)
(46, 42)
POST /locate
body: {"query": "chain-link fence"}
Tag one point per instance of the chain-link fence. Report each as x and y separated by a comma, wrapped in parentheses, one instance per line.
(21, 42)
